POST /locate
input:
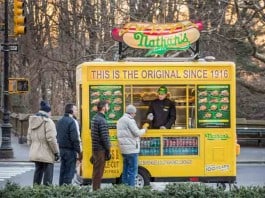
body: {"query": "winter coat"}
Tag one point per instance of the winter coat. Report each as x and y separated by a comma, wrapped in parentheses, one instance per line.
(129, 134)
(100, 133)
(41, 138)
(68, 134)
(164, 112)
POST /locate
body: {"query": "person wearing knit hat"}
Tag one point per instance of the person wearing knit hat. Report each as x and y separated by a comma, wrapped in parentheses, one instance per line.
(162, 111)
(44, 149)
(128, 135)
(44, 106)
(131, 109)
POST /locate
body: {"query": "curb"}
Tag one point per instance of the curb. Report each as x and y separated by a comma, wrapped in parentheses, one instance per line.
(251, 162)
(2, 161)
(17, 163)
(8, 161)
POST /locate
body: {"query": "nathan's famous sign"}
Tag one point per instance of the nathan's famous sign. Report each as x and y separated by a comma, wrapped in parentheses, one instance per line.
(158, 37)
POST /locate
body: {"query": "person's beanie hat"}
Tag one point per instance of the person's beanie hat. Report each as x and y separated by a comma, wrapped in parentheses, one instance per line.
(44, 106)
(130, 109)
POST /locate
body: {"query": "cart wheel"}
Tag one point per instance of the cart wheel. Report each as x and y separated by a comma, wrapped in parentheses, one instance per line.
(119, 180)
(142, 179)
(221, 186)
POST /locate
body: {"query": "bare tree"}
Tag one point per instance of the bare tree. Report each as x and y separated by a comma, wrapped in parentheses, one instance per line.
(63, 34)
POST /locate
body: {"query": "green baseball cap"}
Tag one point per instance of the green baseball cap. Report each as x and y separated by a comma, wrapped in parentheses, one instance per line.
(162, 90)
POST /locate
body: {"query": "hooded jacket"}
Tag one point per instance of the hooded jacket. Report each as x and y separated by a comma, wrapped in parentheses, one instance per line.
(129, 134)
(41, 138)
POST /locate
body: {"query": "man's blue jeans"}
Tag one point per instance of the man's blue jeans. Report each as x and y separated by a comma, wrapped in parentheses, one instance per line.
(130, 168)
(68, 165)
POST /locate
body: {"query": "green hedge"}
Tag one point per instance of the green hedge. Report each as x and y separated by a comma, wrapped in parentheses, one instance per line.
(187, 190)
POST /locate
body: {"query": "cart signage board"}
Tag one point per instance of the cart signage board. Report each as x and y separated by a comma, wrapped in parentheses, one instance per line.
(180, 73)
(111, 93)
(213, 106)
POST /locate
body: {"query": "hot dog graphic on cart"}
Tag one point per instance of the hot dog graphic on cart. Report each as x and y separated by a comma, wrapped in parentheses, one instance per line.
(159, 38)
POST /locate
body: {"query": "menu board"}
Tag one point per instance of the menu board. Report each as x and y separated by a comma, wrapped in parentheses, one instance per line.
(213, 103)
(180, 145)
(150, 146)
(111, 93)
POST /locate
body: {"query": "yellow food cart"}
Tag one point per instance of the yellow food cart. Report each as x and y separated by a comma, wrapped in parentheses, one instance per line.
(201, 144)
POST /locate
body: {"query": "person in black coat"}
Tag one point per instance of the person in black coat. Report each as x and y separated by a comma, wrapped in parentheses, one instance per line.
(69, 144)
(162, 111)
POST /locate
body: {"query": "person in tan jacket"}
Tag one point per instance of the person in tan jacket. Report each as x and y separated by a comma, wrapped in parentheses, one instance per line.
(43, 144)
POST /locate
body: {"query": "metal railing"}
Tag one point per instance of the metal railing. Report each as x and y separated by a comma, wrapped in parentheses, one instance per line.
(20, 125)
(250, 131)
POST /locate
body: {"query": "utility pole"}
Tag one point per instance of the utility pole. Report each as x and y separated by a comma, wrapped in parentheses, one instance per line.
(6, 151)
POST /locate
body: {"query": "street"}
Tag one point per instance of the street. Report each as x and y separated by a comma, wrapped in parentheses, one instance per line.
(22, 174)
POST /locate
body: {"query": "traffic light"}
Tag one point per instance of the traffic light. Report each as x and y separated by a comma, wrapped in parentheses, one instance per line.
(18, 85)
(19, 19)
(22, 85)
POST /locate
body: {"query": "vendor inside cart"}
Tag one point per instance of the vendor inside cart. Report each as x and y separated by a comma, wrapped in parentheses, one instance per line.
(162, 111)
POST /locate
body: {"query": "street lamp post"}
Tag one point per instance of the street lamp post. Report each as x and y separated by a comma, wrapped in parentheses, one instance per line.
(6, 151)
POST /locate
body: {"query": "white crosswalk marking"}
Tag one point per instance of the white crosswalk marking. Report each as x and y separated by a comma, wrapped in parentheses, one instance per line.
(7, 172)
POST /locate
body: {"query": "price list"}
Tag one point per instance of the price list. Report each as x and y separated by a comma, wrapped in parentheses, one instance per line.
(180, 145)
(150, 146)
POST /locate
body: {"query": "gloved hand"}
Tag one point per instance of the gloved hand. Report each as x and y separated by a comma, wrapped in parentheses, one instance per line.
(163, 127)
(145, 126)
(150, 116)
(107, 155)
(56, 157)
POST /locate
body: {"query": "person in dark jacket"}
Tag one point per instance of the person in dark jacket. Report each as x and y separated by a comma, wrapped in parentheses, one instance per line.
(69, 144)
(100, 143)
(162, 111)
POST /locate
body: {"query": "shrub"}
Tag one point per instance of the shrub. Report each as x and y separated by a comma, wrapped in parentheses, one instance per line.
(186, 190)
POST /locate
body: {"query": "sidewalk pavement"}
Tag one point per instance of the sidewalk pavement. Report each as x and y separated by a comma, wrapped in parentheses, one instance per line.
(247, 154)
(21, 151)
